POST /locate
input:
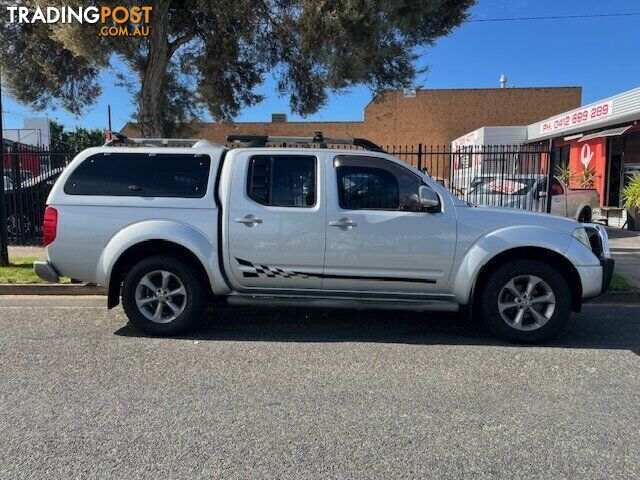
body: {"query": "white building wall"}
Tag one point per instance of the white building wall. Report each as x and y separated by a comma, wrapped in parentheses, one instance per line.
(36, 132)
(516, 135)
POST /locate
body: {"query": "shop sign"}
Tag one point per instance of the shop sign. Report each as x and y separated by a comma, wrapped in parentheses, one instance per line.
(465, 140)
(583, 116)
(586, 155)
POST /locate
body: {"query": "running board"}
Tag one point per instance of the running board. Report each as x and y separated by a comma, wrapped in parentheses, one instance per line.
(348, 303)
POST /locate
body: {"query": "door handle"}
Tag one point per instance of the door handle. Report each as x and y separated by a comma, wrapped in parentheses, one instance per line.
(343, 222)
(249, 220)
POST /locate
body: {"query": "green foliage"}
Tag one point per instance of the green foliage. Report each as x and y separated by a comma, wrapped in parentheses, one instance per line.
(20, 270)
(631, 192)
(563, 172)
(586, 178)
(212, 55)
(621, 284)
(76, 140)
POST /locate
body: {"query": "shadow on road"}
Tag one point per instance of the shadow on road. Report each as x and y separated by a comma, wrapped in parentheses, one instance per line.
(598, 327)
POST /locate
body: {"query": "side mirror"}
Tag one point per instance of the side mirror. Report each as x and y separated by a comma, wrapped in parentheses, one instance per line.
(428, 197)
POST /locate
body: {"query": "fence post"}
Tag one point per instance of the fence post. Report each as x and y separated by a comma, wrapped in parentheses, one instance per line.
(4, 251)
(420, 156)
(551, 167)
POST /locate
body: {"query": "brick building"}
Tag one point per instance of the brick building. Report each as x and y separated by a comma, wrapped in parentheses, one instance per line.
(431, 117)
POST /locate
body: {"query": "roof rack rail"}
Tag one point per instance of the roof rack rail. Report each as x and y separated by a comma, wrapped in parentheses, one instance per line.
(262, 140)
(115, 138)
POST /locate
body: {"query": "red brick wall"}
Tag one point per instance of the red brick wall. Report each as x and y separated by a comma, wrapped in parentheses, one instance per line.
(433, 117)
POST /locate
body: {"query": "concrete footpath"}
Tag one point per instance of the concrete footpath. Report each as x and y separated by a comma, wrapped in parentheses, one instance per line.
(26, 252)
(625, 250)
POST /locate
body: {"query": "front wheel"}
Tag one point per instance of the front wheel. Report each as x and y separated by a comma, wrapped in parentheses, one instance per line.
(525, 301)
(161, 296)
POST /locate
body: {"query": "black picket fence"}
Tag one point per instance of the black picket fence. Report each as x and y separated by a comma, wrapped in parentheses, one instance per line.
(501, 175)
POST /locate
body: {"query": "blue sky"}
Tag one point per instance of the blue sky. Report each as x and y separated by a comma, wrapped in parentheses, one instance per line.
(599, 54)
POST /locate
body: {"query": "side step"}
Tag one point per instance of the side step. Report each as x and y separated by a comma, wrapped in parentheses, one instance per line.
(347, 303)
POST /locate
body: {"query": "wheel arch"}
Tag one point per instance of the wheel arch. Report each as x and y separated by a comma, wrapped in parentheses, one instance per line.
(555, 260)
(154, 237)
(147, 249)
(584, 207)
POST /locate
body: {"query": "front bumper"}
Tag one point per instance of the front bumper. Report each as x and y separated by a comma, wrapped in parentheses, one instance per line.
(46, 271)
(599, 240)
(607, 272)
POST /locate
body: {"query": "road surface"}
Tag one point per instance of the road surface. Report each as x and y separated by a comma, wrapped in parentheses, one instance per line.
(272, 393)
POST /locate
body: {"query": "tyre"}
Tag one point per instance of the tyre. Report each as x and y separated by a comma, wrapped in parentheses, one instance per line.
(585, 216)
(525, 301)
(162, 296)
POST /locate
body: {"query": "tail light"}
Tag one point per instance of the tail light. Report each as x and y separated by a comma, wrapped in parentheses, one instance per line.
(50, 225)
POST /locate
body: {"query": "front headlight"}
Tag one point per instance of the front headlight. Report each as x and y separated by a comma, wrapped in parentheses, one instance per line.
(581, 235)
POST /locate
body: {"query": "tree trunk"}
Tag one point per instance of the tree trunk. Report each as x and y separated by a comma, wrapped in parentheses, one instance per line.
(152, 92)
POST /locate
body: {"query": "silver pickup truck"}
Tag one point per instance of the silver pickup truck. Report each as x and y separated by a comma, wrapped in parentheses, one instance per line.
(167, 228)
(530, 191)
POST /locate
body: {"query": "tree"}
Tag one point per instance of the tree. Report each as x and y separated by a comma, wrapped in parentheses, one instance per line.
(212, 54)
(76, 140)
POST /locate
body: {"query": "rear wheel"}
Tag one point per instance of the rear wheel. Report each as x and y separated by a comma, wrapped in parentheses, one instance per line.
(585, 216)
(161, 296)
(525, 301)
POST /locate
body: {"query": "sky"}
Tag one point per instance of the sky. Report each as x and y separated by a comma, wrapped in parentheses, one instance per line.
(599, 54)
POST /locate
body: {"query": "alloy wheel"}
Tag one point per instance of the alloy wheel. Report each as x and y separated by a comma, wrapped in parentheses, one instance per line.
(161, 296)
(526, 302)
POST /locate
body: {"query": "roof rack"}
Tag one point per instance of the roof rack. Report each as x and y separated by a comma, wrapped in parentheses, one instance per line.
(262, 140)
(115, 139)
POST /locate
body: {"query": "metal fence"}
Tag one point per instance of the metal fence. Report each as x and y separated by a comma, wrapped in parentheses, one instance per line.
(498, 175)
(29, 175)
(502, 175)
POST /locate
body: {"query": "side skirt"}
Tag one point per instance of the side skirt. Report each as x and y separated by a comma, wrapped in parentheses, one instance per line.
(343, 302)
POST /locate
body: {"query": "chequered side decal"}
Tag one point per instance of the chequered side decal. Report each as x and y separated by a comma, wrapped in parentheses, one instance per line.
(249, 270)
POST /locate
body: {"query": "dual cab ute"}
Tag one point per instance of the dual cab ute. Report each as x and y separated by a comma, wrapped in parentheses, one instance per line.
(166, 228)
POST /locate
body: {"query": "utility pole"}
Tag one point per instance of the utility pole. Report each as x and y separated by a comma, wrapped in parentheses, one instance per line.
(109, 115)
(4, 251)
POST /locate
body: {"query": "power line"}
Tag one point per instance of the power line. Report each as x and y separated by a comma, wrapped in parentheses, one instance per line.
(554, 17)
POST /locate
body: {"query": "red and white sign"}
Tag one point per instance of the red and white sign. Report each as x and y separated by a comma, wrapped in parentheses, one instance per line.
(586, 155)
(576, 118)
(505, 186)
(465, 140)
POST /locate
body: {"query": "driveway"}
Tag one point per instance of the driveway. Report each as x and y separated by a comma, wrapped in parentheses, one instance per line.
(270, 393)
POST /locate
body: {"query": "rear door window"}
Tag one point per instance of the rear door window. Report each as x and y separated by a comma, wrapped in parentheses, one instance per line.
(141, 175)
(282, 180)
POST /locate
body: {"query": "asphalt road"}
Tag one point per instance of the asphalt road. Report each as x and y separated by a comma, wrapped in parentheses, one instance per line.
(321, 394)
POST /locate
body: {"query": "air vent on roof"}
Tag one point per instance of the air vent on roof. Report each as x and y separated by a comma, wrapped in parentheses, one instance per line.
(278, 118)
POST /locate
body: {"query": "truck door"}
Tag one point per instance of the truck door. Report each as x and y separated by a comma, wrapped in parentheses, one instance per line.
(276, 220)
(558, 198)
(378, 237)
